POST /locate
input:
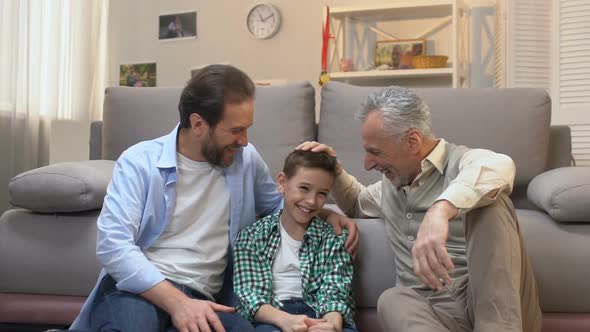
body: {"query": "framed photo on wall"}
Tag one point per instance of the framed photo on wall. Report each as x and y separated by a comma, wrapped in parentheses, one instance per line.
(177, 26)
(398, 54)
(137, 74)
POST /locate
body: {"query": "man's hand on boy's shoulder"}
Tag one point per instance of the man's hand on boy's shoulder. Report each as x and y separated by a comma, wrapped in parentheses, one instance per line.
(338, 221)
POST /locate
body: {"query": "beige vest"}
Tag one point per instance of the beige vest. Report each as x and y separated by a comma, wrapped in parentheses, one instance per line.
(404, 213)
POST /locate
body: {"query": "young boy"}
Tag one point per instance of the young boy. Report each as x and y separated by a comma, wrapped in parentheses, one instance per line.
(292, 273)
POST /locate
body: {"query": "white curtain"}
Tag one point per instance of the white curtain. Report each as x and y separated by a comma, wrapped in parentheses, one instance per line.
(52, 66)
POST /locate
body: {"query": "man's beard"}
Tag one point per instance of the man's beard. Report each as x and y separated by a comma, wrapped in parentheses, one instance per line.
(213, 153)
(398, 180)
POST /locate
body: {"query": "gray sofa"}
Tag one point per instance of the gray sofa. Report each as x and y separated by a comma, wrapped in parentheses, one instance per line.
(47, 245)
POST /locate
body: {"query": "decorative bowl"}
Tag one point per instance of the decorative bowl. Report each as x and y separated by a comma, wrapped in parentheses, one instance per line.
(429, 61)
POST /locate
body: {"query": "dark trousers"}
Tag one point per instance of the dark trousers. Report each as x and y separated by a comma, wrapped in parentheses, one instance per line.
(295, 307)
(116, 310)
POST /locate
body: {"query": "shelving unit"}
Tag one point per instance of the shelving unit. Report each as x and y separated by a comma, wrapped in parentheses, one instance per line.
(357, 28)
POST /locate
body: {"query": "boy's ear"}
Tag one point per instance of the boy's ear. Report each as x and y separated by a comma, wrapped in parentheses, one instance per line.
(281, 179)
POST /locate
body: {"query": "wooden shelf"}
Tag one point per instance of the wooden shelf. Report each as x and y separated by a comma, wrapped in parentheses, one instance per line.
(394, 11)
(356, 9)
(352, 24)
(351, 75)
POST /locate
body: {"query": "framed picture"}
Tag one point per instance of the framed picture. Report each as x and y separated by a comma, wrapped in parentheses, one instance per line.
(397, 54)
(177, 26)
(138, 74)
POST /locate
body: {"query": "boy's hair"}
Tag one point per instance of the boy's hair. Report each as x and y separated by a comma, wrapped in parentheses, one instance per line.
(308, 159)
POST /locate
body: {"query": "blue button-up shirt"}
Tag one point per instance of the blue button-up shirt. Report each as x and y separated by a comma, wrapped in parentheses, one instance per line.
(140, 202)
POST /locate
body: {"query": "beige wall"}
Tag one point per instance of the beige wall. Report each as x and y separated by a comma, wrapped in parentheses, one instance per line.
(293, 54)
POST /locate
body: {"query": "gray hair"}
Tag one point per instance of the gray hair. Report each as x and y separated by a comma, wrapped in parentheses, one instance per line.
(401, 108)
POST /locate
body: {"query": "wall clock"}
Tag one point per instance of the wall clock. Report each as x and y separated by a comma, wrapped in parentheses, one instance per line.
(263, 21)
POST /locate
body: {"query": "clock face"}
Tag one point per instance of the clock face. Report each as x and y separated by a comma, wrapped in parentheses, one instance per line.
(263, 21)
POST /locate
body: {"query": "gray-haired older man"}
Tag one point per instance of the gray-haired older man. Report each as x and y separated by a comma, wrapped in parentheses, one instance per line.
(460, 259)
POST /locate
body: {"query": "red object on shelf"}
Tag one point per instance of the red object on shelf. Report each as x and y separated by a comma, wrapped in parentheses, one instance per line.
(325, 38)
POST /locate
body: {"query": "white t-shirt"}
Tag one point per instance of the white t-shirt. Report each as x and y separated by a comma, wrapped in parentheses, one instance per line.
(193, 248)
(286, 271)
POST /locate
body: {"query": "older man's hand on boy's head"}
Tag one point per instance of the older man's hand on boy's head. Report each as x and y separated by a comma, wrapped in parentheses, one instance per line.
(314, 146)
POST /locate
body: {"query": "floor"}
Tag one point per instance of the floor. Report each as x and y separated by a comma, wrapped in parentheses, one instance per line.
(21, 328)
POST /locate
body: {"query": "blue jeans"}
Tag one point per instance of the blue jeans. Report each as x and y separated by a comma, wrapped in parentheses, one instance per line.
(114, 310)
(295, 307)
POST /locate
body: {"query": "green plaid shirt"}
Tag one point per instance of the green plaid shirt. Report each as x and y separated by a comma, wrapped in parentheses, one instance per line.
(326, 268)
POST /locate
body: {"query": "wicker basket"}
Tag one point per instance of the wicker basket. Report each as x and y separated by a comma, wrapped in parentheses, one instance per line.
(429, 61)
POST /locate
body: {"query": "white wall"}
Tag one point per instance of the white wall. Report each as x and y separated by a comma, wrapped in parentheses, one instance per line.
(293, 54)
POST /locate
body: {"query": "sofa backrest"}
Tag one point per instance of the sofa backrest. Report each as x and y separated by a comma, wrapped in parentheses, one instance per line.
(284, 116)
(132, 115)
(515, 122)
(511, 121)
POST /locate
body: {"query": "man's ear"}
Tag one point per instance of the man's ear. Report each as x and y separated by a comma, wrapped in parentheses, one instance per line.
(281, 180)
(198, 124)
(415, 139)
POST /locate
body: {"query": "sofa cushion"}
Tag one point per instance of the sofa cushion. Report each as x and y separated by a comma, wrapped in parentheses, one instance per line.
(62, 187)
(39, 309)
(377, 255)
(284, 116)
(559, 255)
(564, 193)
(375, 272)
(132, 115)
(48, 253)
(511, 121)
(339, 129)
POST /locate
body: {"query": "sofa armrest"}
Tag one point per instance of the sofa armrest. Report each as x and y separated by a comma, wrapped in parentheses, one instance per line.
(62, 187)
(95, 140)
(564, 193)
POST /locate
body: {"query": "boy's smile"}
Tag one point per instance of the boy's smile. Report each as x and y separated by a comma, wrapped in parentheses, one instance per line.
(305, 194)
